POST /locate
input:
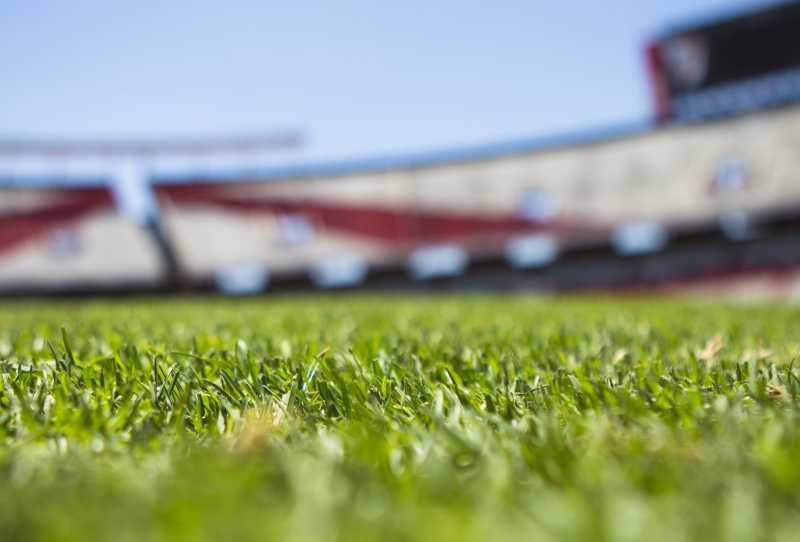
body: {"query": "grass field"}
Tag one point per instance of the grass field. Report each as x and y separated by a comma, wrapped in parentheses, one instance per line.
(349, 418)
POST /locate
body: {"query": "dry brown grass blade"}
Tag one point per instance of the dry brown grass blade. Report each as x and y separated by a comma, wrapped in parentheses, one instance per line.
(712, 348)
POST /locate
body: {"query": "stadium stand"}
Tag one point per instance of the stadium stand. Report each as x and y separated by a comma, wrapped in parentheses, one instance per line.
(717, 187)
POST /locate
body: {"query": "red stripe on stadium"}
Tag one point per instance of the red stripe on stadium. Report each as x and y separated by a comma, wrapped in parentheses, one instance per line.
(376, 223)
(19, 227)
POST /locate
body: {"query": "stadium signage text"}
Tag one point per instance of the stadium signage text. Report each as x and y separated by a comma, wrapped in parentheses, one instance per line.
(757, 93)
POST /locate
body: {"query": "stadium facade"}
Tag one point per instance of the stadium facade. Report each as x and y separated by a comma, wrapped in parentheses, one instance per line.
(709, 188)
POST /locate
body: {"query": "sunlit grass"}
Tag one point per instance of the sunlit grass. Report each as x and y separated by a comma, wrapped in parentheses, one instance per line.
(478, 418)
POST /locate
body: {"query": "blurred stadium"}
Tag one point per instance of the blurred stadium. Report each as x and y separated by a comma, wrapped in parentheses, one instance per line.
(704, 194)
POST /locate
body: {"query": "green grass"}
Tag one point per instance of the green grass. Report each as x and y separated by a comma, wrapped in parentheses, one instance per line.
(349, 418)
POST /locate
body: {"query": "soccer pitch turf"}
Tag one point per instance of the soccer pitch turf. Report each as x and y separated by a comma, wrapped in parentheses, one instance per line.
(392, 418)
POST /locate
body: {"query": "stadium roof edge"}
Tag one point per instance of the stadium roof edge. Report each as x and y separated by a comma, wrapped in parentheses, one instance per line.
(360, 166)
(15, 147)
(423, 159)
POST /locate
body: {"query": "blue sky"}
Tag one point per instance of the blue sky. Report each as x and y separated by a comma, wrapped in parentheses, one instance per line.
(357, 77)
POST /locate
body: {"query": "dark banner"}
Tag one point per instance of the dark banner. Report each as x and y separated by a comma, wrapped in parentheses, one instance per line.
(743, 63)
